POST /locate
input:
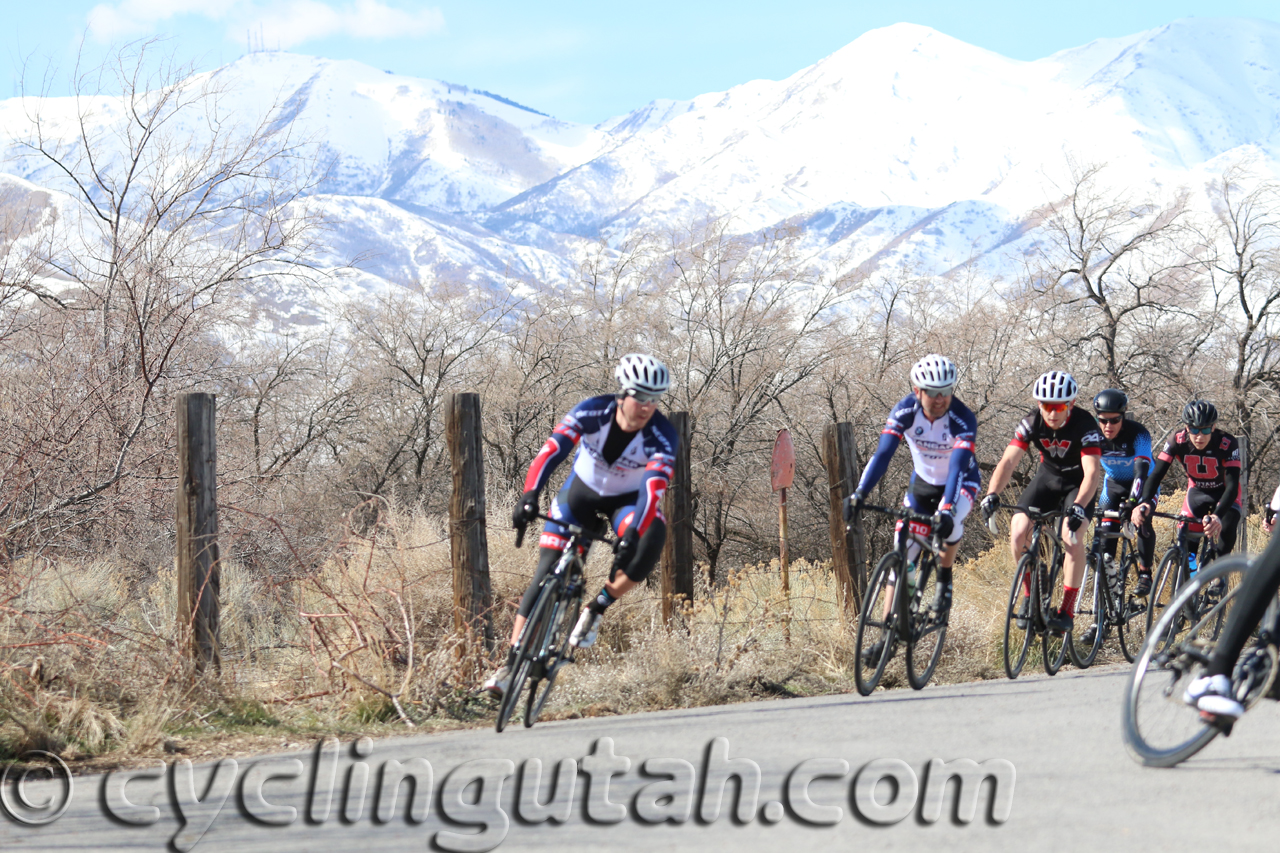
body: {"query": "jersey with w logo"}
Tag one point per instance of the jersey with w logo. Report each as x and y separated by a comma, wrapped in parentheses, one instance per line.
(1060, 449)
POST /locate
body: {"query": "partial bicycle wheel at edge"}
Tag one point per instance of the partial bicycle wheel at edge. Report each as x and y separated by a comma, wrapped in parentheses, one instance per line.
(1160, 730)
(875, 626)
(1017, 641)
(926, 632)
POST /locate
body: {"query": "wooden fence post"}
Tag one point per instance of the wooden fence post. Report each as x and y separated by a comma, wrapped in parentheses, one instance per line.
(196, 552)
(848, 548)
(468, 540)
(677, 553)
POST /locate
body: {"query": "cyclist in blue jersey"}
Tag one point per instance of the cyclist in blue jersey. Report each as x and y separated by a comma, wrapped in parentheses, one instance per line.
(1126, 461)
(626, 456)
(941, 432)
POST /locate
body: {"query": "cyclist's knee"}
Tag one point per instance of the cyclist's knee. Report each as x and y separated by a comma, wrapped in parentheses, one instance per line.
(648, 551)
(546, 560)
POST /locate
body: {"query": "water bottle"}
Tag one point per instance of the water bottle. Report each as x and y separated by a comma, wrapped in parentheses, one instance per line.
(911, 577)
(1191, 564)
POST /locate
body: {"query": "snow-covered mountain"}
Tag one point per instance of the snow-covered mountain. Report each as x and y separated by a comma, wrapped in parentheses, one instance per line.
(904, 146)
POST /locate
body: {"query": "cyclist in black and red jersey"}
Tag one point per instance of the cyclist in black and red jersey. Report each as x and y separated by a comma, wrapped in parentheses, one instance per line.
(1211, 459)
(1070, 448)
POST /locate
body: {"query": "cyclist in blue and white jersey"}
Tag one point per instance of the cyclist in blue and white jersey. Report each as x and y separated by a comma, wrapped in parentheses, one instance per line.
(1126, 461)
(626, 457)
(941, 432)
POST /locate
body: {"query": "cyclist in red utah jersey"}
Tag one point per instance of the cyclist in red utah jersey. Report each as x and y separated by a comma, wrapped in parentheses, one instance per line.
(626, 456)
(1211, 459)
(1070, 447)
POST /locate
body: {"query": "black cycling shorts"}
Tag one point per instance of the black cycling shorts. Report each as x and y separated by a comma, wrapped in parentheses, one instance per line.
(1049, 491)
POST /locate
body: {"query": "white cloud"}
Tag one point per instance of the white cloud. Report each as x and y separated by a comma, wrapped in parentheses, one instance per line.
(292, 23)
(283, 24)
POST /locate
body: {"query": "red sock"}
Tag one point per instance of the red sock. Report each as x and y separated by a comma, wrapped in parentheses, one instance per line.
(1069, 601)
(1026, 584)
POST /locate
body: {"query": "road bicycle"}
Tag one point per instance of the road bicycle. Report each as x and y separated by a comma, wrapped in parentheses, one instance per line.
(543, 646)
(1105, 600)
(1160, 729)
(1173, 572)
(1036, 592)
(894, 612)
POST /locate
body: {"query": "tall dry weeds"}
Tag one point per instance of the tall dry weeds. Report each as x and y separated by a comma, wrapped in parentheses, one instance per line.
(362, 640)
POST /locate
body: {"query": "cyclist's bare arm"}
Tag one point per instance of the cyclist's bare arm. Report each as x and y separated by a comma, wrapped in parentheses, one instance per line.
(1092, 468)
(1004, 469)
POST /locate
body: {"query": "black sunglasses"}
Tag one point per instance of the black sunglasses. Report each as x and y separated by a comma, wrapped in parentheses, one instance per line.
(1199, 430)
(1110, 421)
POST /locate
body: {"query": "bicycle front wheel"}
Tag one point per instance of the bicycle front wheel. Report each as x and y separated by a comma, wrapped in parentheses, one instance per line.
(926, 629)
(1132, 618)
(555, 651)
(877, 624)
(1054, 647)
(1168, 579)
(527, 649)
(1017, 620)
(1090, 611)
(1160, 729)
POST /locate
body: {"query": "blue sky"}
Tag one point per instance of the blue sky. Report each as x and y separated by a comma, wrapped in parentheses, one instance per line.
(581, 60)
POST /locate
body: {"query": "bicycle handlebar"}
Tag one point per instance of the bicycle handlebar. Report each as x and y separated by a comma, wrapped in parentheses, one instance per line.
(906, 513)
(574, 530)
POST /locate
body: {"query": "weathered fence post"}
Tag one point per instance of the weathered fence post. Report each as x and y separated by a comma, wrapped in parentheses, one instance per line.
(196, 551)
(848, 548)
(468, 541)
(1244, 494)
(677, 553)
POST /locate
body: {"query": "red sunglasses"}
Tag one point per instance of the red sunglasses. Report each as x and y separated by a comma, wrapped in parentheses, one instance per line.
(1055, 407)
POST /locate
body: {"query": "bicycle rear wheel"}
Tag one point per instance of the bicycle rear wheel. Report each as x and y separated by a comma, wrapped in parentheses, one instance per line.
(1090, 610)
(555, 649)
(1017, 639)
(1160, 730)
(877, 623)
(1054, 648)
(527, 649)
(926, 632)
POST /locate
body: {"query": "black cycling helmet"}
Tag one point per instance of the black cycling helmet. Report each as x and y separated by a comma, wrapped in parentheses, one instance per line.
(1111, 400)
(1200, 414)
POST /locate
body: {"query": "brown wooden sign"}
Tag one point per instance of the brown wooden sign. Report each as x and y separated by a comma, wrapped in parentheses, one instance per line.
(783, 470)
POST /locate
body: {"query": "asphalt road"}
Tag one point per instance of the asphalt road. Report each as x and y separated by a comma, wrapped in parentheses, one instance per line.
(1075, 786)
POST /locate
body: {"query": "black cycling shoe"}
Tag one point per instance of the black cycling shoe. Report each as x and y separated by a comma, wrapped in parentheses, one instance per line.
(1023, 619)
(942, 601)
(871, 655)
(1059, 624)
(1143, 587)
(1089, 635)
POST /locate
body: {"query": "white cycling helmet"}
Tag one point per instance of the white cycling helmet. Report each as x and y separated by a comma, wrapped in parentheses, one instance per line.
(643, 377)
(934, 373)
(1056, 386)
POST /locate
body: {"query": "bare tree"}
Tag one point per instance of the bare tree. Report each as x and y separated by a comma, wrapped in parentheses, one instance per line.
(164, 214)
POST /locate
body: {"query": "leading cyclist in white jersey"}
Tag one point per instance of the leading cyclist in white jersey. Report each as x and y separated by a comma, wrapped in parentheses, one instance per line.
(941, 432)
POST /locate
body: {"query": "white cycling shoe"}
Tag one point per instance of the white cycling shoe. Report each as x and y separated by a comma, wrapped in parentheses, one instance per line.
(1211, 694)
(585, 632)
(498, 683)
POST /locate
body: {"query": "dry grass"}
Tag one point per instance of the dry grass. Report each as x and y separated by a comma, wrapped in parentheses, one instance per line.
(364, 642)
